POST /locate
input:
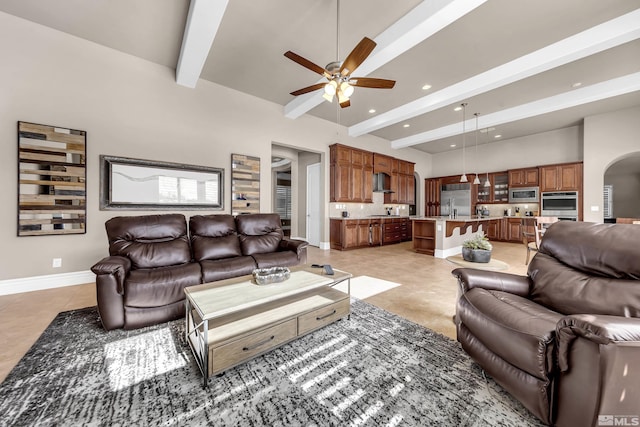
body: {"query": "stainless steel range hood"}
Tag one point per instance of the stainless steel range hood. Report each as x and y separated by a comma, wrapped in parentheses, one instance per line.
(382, 183)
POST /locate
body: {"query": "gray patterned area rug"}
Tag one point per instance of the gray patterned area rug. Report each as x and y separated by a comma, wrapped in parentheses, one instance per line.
(375, 369)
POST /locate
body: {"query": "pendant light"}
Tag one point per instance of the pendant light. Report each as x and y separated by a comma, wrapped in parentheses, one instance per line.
(487, 183)
(476, 181)
(463, 178)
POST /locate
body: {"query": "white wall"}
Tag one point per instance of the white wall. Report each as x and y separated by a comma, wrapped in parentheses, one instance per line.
(626, 194)
(607, 138)
(558, 146)
(132, 108)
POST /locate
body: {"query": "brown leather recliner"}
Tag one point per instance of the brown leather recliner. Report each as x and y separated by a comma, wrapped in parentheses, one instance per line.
(152, 259)
(565, 339)
(142, 282)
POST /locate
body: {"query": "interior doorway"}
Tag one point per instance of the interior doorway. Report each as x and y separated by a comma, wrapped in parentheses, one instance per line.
(290, 194)
(621, 188)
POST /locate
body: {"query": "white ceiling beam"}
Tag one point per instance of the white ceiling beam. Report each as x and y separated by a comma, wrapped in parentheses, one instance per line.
(589, 42)
(420, 23)
(596, 92)
(200, 30)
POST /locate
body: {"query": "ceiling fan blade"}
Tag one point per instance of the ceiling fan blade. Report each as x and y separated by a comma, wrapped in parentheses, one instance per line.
(345, 104)
(308, 89)
(307, 64)
(357, 56)
(371, 82)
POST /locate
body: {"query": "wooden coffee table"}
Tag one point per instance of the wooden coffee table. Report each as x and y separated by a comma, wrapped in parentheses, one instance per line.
(231, 321)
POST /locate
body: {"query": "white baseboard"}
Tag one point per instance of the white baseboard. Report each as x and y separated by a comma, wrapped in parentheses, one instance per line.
(38, 283)
(443, 253)
(325, 246)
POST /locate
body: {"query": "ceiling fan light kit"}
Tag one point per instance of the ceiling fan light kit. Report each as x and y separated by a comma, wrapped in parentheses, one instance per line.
(340, 83)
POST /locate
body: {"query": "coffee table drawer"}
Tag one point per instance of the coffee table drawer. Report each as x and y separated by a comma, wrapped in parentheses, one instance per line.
(249, 346)
(323, 316)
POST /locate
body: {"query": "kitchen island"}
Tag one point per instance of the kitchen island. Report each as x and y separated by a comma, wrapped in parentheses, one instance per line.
(442, 236)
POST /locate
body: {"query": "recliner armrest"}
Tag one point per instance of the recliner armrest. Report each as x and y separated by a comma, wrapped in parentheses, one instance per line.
(117, 266)
(294, 245)
(599, 328)
(470, 278)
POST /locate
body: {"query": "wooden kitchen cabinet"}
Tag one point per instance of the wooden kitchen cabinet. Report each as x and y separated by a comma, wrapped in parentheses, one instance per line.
(355, 233)
(402, 183)
(432, 196)
(513, 229)
(382, 163)
(493, 229)
(351, 173)
(562, 177)
(526, 177)
(424, 236)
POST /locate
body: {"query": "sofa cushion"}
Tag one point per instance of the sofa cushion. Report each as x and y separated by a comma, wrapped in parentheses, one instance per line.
(276, 259)
(213, 270)
(569, 291)
(515, 328)
(154, 287)
(149, 241)
(214, 237)
(259, 233)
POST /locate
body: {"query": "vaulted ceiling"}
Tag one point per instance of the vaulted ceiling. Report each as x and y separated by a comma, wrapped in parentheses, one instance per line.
(525, 66)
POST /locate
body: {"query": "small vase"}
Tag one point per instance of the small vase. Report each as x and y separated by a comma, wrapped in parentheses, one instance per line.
(476, 255)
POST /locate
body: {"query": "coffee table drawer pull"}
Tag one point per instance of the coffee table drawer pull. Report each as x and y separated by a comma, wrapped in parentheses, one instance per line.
(260, 344)
(323, 316)
(327, 315)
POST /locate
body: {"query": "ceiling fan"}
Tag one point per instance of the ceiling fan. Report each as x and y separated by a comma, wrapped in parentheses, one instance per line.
(340, 83)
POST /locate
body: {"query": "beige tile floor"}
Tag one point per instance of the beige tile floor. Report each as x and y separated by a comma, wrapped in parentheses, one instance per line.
(427, 295)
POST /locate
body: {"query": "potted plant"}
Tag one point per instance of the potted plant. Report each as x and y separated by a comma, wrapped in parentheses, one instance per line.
(477, 249)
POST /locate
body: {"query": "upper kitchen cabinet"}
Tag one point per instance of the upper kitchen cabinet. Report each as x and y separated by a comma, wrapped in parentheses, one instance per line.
(432, 196)
(563, 177)
(402, 183)
(527, 177)
(382, 163)
(351, 173)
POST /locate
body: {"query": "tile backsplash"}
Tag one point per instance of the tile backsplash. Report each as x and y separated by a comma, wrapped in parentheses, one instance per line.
(362, 210)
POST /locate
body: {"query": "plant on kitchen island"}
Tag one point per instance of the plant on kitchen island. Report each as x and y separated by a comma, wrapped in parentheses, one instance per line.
(477, 249)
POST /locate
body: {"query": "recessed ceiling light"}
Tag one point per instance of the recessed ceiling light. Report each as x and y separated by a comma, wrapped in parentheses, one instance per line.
(458, 108)
(576, 84)
(498, 136)
(406, 125)
(452, 145)
(426, 87)
(372, 111)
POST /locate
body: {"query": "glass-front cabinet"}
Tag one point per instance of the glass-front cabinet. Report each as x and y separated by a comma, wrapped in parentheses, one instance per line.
(500, 187)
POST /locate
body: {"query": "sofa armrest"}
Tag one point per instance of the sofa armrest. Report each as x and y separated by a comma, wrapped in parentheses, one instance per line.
(294, 245)
(600, 329)
(470, 278)
(117, 266)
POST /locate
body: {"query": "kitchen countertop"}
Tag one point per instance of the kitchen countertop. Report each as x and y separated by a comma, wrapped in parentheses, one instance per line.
(371, 217)
(460, 218)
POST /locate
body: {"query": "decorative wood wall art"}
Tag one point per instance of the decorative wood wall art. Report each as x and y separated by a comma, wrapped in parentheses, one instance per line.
(136, 184)
(51, 180)
(245, 184)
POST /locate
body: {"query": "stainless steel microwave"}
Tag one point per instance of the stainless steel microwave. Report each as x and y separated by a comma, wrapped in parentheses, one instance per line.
(524, 194)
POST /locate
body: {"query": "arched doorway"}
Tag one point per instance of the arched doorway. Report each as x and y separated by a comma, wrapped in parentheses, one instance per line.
(621, 188)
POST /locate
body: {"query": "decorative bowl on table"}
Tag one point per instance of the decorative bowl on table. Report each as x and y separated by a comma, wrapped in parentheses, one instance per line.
(265, 276)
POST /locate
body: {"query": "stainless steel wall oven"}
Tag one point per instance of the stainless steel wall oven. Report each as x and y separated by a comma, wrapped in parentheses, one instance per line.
(561, 204)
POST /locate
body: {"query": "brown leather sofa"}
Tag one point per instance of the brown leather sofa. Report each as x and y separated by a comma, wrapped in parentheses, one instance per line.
(153, 258)
(565, 339)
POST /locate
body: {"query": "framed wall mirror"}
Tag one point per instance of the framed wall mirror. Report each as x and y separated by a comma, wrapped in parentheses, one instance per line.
(136, 184)
(51, 180)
